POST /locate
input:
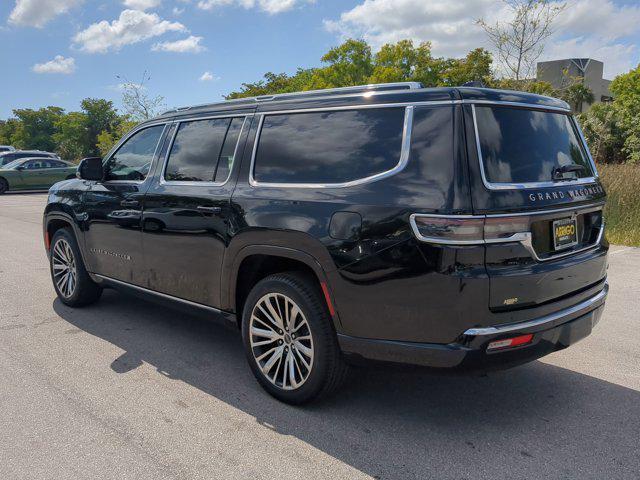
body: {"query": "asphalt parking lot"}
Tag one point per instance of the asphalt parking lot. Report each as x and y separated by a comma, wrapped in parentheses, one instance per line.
(132, 389)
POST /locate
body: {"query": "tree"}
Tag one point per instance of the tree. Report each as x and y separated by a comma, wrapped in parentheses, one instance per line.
(348, 64)
(8, 129)
(475, 67)
(35, 128)
(577, 95)
(108, 138)
(626, 91)
(602, 128)
(72, 136)
(520, 41)
(100, 115)
(137, 102)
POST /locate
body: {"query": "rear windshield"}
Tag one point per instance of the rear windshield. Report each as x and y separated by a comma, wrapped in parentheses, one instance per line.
(522, 146)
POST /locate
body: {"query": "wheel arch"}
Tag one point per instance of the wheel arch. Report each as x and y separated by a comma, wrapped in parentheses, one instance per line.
(252, 263)
(54, 221)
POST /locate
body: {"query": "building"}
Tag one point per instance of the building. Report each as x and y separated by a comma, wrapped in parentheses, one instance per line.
(564, 73)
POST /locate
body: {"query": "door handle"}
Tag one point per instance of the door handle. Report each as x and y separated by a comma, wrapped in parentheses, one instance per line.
(203, 208)
(129, 203)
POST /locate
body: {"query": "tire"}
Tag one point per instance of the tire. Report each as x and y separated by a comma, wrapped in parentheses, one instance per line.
(4, 186)
(314, 356)
(78, 289)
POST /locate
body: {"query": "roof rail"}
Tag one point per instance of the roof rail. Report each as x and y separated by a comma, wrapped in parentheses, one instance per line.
(372, 87)
(353, 89)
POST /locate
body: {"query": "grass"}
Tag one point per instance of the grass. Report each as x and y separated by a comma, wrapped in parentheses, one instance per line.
(622, 213)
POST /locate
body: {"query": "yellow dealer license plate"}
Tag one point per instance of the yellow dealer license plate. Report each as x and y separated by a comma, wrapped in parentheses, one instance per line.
(565, 233)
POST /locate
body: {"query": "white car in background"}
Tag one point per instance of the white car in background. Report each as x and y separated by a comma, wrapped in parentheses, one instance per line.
(7, 148)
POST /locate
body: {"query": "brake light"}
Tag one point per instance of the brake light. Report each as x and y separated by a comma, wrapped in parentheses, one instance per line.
(469, 229)
(510, 342)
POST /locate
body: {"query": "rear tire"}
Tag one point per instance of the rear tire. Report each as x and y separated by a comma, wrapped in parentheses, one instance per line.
(71, 281)
(289, 339)
(4, 186)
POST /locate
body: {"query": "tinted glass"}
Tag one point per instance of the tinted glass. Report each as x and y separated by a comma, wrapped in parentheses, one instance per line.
(56, 164)
(520, 146)
(228, 150)
(7, 159)
(196, 149)
(35, 164)
(329, 147)
(5, 149)
(133, 159)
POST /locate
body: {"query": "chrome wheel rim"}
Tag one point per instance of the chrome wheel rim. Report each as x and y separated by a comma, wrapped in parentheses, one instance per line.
(64, 268)
(281, 341)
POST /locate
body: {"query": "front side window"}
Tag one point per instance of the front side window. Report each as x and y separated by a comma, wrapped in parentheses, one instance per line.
(203, 150)
(328, 147)
(524, 146)
(132, 160)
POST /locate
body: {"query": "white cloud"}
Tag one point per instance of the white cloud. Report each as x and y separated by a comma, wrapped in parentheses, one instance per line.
(132, 26)
(598, 29)
(177, 11)
(141, 4)
(269, 6)
(59, 64)
(208, 77)
(36, 13)
(187, 45)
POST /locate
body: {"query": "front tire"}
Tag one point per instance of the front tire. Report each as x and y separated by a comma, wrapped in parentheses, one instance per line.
(4, 186)
(289, 340)
(71, 281)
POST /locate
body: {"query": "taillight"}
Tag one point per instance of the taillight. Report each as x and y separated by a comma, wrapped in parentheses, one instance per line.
(458, 230)
(470, 229)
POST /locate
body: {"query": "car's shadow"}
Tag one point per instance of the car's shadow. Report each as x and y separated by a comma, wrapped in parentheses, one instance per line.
(535, 418)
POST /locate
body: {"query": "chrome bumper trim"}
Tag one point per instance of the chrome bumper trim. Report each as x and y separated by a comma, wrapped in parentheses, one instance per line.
(582, 307)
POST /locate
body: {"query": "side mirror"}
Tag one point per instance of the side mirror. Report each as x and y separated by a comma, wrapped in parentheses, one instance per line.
(91, 169)
(20, 167)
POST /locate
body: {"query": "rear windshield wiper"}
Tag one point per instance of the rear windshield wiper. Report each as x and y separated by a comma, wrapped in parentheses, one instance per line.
(558, 172)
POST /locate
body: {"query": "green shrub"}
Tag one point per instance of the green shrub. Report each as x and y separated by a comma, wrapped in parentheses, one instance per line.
(622, 213)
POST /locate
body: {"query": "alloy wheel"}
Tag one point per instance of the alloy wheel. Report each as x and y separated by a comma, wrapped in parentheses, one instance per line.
(281, 341)
(64, 268)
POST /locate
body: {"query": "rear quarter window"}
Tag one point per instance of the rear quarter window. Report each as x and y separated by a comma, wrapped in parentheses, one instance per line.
(328, 147)
(523, 146)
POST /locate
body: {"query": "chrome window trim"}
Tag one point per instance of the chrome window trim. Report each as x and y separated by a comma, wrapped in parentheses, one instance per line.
(582, 307)
(524, 238)
(519, 186)
(124, 139)
(192, 183)
(402, 161)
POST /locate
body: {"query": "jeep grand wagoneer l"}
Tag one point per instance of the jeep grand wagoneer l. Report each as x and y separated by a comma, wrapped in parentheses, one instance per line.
(448, 227)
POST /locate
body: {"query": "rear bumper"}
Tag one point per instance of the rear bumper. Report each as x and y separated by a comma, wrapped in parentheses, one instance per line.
(550, 333)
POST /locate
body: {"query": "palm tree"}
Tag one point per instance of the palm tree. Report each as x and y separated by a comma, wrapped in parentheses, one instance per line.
(577, 95)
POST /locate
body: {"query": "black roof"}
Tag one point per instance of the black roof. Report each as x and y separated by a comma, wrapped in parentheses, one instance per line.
(406, 92)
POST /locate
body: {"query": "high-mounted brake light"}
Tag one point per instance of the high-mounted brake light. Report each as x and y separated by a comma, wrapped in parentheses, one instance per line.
(510, 342)
(469, 229)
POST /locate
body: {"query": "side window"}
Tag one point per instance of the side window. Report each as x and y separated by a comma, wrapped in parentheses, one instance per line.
(203, 150)
(133, 159)
(7, 159)
(33, 165)
(56, 164)
(329, 147)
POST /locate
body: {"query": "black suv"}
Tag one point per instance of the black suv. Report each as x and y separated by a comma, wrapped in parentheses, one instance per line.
(447, 227)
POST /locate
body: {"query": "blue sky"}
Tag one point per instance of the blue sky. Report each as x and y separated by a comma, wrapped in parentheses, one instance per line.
(57, 52)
